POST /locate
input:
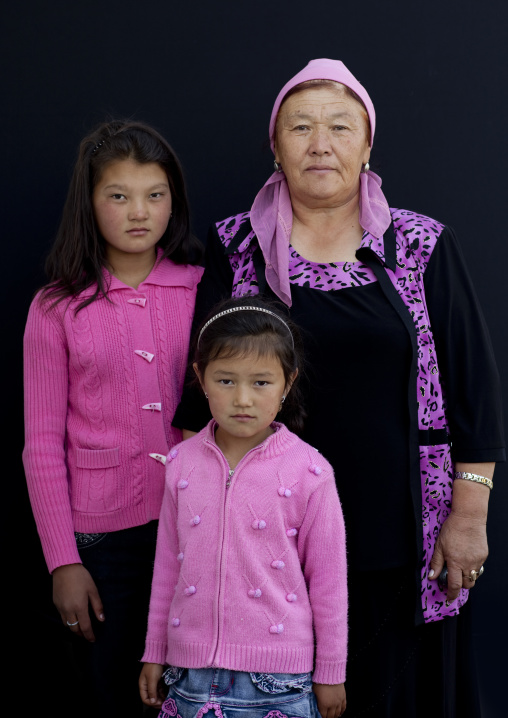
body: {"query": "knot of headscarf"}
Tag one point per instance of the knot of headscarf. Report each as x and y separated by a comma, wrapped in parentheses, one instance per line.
(272, 212)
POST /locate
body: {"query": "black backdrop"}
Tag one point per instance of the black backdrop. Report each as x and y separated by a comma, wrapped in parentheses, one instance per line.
(206, 74)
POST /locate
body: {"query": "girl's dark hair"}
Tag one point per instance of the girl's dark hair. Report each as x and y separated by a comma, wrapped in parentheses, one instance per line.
(78, 254)
(241, 332)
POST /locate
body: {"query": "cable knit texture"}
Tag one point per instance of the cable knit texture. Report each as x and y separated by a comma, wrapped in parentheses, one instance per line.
(87, 376)
(245, 577)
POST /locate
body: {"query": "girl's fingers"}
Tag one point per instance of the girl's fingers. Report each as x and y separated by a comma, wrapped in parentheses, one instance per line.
(143, 689)
(96, 604)
(148, 684)
(72, 623)
(85, 626)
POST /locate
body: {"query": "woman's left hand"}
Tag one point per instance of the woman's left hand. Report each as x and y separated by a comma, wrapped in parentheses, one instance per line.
(462, 542)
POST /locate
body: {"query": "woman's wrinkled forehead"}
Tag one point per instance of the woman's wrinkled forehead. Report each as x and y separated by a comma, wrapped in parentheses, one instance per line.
(324, 69)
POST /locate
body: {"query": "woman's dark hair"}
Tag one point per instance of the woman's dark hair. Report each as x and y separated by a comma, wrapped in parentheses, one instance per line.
(241, 332)
(78, 255)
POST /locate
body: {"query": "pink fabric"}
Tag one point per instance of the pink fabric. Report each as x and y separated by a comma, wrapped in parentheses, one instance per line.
(88, 439)
(227, 578)
(374, 217)
(325, 69)
(272, 214)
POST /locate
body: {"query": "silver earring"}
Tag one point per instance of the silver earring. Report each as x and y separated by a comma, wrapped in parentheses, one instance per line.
(206, 395)
(277, 165)
(283, 399)
(366, 167)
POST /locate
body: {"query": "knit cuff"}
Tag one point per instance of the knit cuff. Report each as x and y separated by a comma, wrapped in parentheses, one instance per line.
(329, 673)
(155, 652)
(60, 555)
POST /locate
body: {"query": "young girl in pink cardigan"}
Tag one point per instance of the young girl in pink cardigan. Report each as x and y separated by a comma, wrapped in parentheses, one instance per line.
(105, 346)
(249, 598)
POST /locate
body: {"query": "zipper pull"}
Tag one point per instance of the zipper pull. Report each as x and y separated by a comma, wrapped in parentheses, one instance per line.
(228, 482)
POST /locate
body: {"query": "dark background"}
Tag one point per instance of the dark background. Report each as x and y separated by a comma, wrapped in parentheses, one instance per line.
(206, 75)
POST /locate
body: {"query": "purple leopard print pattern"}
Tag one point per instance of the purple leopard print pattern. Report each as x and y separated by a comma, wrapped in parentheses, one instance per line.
(244, 274)
(416, 237)
(327, 276)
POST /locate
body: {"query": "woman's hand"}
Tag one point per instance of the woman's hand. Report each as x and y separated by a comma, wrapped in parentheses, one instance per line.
(331, 700)
(73, 590)
(462, 542)
(149, 690)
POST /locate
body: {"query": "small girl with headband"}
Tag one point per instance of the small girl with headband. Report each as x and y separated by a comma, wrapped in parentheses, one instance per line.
(249, 597)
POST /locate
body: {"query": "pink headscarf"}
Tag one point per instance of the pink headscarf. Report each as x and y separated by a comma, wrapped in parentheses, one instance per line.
(272, 213)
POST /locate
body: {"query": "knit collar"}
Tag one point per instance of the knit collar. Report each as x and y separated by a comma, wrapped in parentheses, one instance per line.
(273, 445)
(164, 273)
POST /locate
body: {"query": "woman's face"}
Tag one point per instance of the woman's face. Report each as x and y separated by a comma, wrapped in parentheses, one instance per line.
(322, 144)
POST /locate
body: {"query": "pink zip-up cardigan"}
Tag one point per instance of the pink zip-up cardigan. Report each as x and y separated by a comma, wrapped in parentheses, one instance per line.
(101, 387)
(250, 576)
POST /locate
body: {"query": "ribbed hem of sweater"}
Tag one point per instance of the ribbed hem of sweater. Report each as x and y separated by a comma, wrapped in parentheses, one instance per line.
(60, 549)
(262, 659)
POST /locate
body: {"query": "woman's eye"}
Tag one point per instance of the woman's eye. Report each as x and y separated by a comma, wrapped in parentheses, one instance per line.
(262, 383)
(118, 196)
(301, 128)
(340, 127)
(226, 382)
(156, 195)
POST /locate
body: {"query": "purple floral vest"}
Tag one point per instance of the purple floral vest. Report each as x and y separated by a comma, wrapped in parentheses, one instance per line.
(399, 260)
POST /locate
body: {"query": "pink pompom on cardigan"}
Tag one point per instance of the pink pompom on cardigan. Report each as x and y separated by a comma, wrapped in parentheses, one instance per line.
(247, 577)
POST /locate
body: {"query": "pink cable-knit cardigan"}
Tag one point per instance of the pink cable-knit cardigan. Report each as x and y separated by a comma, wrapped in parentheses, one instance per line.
(246, 576)
(101, 387)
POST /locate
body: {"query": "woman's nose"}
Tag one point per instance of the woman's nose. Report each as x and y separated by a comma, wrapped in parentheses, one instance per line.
(320, 142)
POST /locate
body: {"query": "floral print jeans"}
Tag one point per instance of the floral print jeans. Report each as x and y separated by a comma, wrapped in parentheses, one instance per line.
(220, 693)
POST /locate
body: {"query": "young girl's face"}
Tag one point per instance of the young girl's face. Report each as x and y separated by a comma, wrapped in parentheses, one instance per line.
(132, 207)
(244, 394)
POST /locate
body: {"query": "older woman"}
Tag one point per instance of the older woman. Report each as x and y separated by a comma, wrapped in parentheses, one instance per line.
(391, 326)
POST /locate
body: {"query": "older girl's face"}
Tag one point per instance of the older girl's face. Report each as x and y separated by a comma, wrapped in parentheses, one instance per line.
(132, 207)
(322, 144)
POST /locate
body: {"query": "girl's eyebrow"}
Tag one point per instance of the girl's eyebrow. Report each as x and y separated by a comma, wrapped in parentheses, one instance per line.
(124, 186)
(223, 372)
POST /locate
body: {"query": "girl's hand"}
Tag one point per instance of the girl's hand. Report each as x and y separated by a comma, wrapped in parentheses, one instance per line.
(73, 590)
(331, 700)
(149, 690)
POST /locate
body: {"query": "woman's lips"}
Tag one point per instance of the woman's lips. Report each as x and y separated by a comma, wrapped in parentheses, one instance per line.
(242, 417)
(320, 168)
(137, 231)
